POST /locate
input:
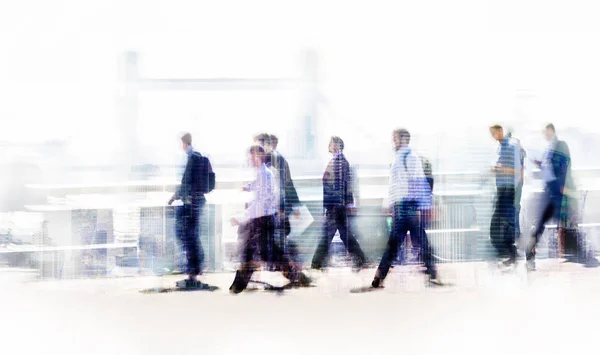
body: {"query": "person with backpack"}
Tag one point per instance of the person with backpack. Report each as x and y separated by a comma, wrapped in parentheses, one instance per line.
(198, 179)
(409, 196)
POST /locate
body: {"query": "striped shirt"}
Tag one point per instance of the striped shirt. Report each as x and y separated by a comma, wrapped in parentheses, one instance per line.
(407, 179)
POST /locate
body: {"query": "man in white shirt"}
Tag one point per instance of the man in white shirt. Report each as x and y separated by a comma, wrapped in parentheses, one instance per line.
(259, 226)
(410, 194)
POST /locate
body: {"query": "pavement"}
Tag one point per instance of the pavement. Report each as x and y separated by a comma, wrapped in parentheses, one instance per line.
(482, 311)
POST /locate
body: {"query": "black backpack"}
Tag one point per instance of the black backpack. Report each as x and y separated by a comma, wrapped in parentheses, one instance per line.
(427, 169)
(208, 174)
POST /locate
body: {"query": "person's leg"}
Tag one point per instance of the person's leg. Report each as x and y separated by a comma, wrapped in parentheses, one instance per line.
(417, 233)
(496, 227)
(329, 229)
(508, 216)
(191, 245)
(518, 193)
(397, 235)
(347, 236)
(247, 243)
(547, 210)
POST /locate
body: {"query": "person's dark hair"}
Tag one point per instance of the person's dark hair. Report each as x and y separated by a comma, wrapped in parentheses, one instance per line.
(186, 138)
(338, 141)
(496, 126)
(550, 126)
(401, 133)
(274, 140)
(263, 138)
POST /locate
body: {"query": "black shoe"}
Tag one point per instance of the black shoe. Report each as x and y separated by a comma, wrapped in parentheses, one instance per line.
(239, 283)
(303, 280)
(376, 282)
(235, 289)
(189, 283)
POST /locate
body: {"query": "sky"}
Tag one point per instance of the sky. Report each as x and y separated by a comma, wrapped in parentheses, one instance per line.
(435, 67)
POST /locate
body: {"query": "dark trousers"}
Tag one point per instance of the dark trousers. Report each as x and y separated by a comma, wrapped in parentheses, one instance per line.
(254, 236)
(550, 205)
(406, 218)
(503, 225)
(336, 219)
(188, 219)
(518, 193)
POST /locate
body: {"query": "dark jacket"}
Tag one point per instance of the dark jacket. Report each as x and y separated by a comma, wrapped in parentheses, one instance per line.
(337, 183)
(289, 196)
(560, 159)
(191, 190)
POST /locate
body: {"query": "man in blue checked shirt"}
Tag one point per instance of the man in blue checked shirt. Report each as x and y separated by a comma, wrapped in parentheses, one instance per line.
(410, 195)
(503, 226)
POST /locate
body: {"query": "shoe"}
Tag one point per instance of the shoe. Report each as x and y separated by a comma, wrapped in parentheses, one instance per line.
(304, 280)
(235, 289)
(189, 283)
(376, 282)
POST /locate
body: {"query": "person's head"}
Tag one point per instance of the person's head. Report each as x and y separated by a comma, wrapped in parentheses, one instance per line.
(549, 131)
(256, 156)
(336, 144)
(400, 138)
(264, 140)
(497, 132)
(274, 140)
(186, 141)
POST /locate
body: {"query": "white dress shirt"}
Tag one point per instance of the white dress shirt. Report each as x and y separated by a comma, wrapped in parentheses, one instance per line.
(266, 199)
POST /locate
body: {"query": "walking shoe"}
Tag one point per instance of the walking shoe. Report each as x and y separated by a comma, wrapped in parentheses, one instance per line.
(304, 280)
(189, 283)
(376, 282)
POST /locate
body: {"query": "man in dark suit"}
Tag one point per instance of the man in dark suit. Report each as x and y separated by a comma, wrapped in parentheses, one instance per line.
(555, 168)
(290, 203)
(191, 193)
(338, 200)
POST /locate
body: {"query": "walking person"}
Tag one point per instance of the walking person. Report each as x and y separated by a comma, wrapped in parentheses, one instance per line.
(409, 195)
(503, 226)
(257, 226)
(196, 181)
(555, 168)
(338, 203)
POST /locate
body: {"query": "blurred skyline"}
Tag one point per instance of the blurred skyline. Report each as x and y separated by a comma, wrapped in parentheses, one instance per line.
(431, 67)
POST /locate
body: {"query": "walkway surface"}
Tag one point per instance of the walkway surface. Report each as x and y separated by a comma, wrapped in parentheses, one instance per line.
(552, 311)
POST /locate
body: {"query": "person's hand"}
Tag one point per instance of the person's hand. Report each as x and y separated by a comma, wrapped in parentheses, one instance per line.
(245, 188)
(387, 210)
(171, 201)
(234, 222)
(351, 209)
(297, 214)
(537, 162)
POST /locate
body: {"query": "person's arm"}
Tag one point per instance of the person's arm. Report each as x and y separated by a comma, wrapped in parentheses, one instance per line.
(185, 182)
(291, 195)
